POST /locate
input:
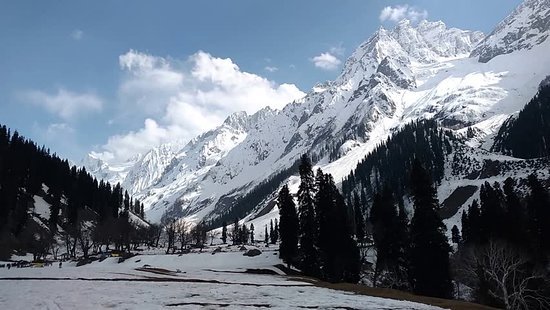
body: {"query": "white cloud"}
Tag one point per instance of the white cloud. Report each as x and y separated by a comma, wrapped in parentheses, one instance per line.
(326, 61)
(58, 130)
(399, 12)
(181, 99)
(77, 34)
(65, 104)
(337, 50)
(271, 68)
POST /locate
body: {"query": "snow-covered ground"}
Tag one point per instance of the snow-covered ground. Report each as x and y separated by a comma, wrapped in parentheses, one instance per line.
(205, 281)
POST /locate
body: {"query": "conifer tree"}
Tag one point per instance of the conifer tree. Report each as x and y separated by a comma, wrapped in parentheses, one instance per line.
(288, 227)
(266, 236)
(455, 235)
(236, 232)
(538, 207)
(515, 218)
(390, 237)
(359, 219)
(252, 233)
(271, 232)
(224, 232)
(276, 231)
(308, 252)
(429, 270)
(126, 201)
(471, 228)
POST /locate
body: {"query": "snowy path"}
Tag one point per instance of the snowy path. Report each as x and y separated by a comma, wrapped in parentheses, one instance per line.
(200, 285)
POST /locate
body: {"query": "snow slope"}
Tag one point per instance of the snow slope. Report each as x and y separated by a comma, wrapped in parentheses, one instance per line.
(397, 76)
(205, 281)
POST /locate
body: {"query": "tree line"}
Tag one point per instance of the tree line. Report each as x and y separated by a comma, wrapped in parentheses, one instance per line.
(527, 135)
(87, 212)
(320, 235)
(505, 244)
(316, 236)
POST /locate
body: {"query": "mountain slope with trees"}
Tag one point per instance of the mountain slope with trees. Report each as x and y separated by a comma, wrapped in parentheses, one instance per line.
(83, 211)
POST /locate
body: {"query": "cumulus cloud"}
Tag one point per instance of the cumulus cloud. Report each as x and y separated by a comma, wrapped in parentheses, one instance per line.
(181, 99)
(399, 12)
(66, 104)
(77, 34)
(326, 61)
(271, 68)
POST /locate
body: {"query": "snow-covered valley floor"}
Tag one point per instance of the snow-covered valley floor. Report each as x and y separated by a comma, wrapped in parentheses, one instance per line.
(204, 281)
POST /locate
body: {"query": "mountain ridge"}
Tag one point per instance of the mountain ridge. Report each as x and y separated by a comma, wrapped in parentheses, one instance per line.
(393, 78)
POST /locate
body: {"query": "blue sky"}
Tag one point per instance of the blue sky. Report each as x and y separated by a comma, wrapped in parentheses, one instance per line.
(117, 77)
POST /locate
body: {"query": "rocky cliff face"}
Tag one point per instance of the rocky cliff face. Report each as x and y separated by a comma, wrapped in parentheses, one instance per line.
(526, 27)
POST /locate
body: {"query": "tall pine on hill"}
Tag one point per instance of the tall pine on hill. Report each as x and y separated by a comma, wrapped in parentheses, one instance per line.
(429, 270)
(288, 226)
(306, 210)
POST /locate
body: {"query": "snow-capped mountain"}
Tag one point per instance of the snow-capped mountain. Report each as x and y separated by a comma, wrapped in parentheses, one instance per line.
(112, 173)
(407, 73)
(525, 28)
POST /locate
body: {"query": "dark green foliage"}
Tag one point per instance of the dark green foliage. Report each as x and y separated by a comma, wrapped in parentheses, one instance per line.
(359, 219)
(252, 233)
(389, 231)
(224, 233)
(309, 256)
(390, 163)
(515, 216)
(528, 135)
(471, 224)
(429, 270)
(338, 252)
(538, 210)
(492, 212)
(326, 246)
(25, 167)
(455, 235)
(503, 215)
(273, 234)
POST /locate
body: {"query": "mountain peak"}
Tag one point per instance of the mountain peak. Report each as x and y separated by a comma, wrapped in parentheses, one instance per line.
(237, 120)
(427, 42)
(528, 25)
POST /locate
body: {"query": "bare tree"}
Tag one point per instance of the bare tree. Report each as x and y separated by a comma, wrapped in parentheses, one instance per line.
(508, 274)
(153, 235)
(84, 239)
(213, 234)
(182, 233)
(198, 233)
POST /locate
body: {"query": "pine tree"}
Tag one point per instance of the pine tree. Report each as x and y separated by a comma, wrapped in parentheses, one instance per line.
(538, 206)
(390, 237)
(276, 231)
(455, 235)
(288, 227)
(126, 201)
(359, 219)
(236, 232)
(224, 232)
(308, 252)
(515, 217)
(271, 232)
(429, 254)
(251, 233)
(471, 228)
(266, 236)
